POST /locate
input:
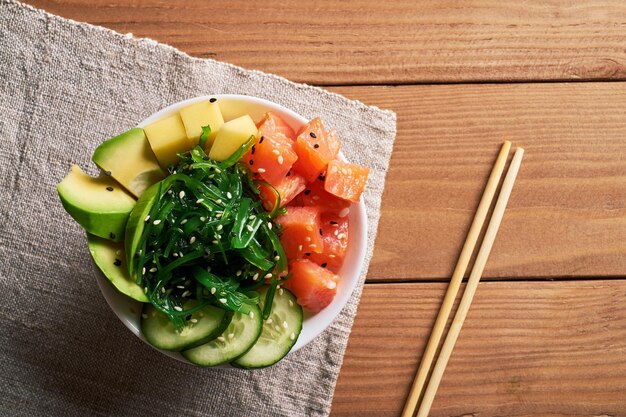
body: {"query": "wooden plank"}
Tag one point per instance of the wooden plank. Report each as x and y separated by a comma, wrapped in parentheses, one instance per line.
(567, 213)
(369, 42)
(527, 348)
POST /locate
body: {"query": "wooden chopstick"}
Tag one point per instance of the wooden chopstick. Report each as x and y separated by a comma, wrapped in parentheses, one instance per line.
(472, 284)
(455, 281)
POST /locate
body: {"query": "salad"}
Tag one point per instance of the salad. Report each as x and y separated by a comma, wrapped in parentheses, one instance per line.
(225, 230)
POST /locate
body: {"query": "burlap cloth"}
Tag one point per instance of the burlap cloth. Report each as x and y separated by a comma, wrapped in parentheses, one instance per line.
(64, 88)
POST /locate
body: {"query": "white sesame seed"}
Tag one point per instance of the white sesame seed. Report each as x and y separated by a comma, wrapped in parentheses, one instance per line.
(214, 242)
(223, 300)
(290, 303)
(332, 285)
(181, 194)
(170, 191)
(147, 218)
(175, 255)
(251, 314)
(285, 324)
(229, 195)
(180, 254)
(344, 212)
(341, 235)
(269, 321)
(219, 227)
(252, 217)
(231, 335)
(194, 321)
(300, 248)
(276, 152)
(238, 273)
(268, 276)
(218, 201)
(332, 255)
(145, 316)
(221, 339)
(145, 290)
(255, 276)
(192, 239)
(163, 290)
(153, 270)
(218, 170)
(186, 293)
(143, 271)
(202, 219)
(309, 228)
(182, 287)
(277, 328)
(280, 160)
(315, 197)
(218, 214)
(213, 290)
(313, 246)
(277, 258)
(250, 228)
(281, 291)
(156, 222)
(292, 336)
(183, 221)
(200, 200)
(260, 170)
(307, 239)
(336, 232)
(177, 308)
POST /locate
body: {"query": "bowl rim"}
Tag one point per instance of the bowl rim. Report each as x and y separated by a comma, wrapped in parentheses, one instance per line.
(124, 307)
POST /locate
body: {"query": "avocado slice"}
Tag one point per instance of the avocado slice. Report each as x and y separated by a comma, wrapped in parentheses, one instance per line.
(129, 160)
(99, 205)
(136, 222)
(111, 260)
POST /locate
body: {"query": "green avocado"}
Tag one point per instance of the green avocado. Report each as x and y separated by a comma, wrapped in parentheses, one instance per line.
(129, 159)
(111, 260)
(99, 205)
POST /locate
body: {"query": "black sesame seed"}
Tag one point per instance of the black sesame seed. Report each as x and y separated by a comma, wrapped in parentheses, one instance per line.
(261, 140)
(316, 146)
(117, 262)
(109, 188)
(320, 232)
(324, 265)
(253, 149)
(188, 317)
(212, 100)
(308, 254)
(275, 253)
(251, 162)
(288, 173)
(112, 235)
(307, 192)
(333, 222)
(313, 135)
(321, 177)
(107, 173)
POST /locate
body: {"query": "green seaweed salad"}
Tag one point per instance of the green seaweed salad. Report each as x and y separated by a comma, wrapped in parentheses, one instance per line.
(200, 237)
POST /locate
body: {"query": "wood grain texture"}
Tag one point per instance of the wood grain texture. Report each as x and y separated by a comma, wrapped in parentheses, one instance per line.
(527, 348)
(567, 213)
(374, 42)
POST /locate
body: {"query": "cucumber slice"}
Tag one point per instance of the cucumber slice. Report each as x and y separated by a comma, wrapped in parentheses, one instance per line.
(203, 326)
(280, 332)
(240, 335)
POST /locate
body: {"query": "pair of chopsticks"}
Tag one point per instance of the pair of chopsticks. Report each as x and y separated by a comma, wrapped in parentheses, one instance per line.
(455, 282)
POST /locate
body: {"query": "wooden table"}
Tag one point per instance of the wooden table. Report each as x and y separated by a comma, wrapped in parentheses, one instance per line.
(546, 334)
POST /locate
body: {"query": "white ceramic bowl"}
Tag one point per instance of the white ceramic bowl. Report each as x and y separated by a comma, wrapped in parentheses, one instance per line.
(129, 311)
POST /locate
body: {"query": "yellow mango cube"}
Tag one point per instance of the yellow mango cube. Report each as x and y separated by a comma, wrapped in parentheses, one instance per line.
(200, 114)
(167, 137)
(231, 136)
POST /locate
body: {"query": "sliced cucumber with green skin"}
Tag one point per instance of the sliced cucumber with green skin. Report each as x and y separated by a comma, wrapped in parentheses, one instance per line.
(280, 332)
(202, 327)
(240, 335)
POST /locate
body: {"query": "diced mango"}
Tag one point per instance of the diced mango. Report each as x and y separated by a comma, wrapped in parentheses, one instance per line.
(231, 136)
(168, 137)
(200, 114)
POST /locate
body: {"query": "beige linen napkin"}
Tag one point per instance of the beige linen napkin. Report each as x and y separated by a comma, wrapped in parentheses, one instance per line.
(64, 88)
